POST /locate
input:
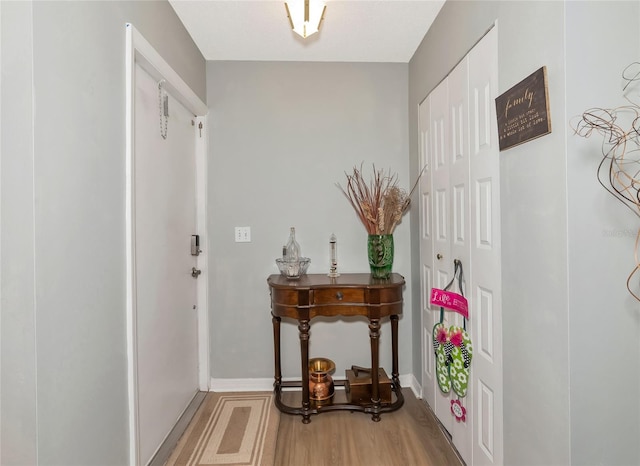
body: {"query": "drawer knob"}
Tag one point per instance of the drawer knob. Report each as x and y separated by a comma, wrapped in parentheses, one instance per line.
(339, 295)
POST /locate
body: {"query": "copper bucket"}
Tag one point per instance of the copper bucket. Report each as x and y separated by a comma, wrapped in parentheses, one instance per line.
(321, 387)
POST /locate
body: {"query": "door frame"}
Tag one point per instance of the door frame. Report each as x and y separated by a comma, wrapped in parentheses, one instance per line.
(140, 51)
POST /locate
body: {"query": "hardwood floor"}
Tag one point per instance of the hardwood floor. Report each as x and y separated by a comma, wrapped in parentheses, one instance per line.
(407, 437)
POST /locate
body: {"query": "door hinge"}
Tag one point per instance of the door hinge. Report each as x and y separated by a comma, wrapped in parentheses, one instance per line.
(200, 128)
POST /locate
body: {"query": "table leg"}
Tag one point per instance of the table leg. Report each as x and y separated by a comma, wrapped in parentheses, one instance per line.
(374, 335)
(303, 327)
(276, 350)
(394, 346)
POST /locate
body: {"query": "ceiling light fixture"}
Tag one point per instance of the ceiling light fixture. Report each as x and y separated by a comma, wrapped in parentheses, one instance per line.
(305, 16)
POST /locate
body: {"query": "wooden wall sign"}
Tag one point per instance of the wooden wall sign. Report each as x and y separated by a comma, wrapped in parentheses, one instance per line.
(523, 111)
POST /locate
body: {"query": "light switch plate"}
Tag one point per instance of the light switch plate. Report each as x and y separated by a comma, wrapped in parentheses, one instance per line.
(243, 234)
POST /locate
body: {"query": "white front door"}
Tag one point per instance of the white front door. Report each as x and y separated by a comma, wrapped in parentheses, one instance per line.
(164, 192)
(460, 220)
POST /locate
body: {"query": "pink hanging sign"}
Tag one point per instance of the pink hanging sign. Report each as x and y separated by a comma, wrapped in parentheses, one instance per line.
(450, 300)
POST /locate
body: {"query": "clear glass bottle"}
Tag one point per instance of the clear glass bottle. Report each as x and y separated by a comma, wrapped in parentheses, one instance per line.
(293, 248)
(293, 255)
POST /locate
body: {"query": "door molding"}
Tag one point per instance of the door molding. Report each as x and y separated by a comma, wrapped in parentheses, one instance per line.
(140, 51)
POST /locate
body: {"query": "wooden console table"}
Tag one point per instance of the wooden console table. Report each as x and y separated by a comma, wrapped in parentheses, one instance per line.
(347, 295)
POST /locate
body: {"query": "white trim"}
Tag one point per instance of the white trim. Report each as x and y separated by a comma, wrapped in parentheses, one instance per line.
(153, 63)
(202, 261)
(1, 313)
(139, 51)
(132, 361)
(409, 380)
(241, 385)
(265, 385)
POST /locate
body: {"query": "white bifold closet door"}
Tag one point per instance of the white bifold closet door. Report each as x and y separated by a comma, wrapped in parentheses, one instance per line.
(460, 219)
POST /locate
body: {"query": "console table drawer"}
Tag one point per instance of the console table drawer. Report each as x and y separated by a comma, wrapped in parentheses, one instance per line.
(338, 295)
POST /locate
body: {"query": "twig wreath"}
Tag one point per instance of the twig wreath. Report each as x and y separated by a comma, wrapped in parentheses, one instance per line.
(619, 170)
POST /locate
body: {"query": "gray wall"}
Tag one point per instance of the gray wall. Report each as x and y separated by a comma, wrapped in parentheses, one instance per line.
(64, 381)
(17, 299)
(556, 279)
(63, 355)
(602, 39)
(282, 135)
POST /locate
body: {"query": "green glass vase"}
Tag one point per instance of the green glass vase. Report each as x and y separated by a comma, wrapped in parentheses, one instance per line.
(380, 250)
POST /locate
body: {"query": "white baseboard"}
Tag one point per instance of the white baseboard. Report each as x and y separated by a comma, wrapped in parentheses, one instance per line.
(266, 384)
(241, 385)
(410, 381)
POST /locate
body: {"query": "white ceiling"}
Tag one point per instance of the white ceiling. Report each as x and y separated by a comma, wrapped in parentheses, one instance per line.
(352, 31)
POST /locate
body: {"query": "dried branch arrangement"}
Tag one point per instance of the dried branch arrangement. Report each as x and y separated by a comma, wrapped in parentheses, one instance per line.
(379, 203)
(619, 169)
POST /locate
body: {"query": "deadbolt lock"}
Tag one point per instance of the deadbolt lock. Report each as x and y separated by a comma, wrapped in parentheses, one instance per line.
(195, 245)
